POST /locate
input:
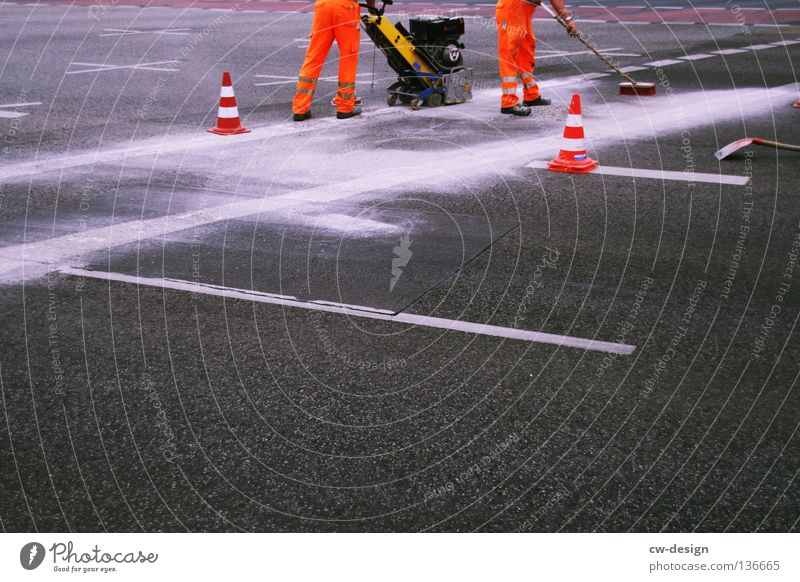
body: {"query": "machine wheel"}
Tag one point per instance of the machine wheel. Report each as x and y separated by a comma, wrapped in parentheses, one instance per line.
(405, 99)
(391, 100)
(434, 100)
(417, 103)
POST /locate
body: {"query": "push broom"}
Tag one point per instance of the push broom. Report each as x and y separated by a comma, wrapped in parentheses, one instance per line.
(630, 87)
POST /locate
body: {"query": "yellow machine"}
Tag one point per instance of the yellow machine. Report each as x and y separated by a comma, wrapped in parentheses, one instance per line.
(428, 60)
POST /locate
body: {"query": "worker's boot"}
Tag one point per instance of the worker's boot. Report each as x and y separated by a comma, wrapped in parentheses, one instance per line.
(518, 109)
(348, 115)
(538, 102)
(302, 116)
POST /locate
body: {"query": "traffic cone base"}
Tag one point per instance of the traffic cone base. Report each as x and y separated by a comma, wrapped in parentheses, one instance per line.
(576, 166)
(222, 131)
(573, 156)
(228, 122)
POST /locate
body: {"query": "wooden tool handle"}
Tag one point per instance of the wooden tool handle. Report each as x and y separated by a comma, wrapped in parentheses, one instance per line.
(603, 58)
(776, 144)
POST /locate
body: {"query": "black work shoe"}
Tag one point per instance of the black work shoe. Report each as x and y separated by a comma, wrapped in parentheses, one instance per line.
(538, 102)
(354, 113)
(516, 110)
(302, 116)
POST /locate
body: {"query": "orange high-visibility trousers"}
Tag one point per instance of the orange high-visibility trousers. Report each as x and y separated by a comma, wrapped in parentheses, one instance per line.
(516, 50)
(333, 20)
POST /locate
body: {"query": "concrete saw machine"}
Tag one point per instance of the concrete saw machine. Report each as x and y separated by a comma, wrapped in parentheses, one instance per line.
(428, 59)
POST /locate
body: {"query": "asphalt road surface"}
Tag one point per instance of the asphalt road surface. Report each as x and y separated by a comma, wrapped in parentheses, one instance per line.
(398, 322)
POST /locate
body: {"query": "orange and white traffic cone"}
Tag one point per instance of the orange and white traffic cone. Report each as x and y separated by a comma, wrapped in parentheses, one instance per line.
(573, 156)
(228, 122)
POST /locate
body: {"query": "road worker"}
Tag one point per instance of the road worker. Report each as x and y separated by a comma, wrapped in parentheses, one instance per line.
(337, 20)
(517, 52)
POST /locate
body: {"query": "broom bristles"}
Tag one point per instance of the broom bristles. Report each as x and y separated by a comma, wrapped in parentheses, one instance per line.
(642, 89)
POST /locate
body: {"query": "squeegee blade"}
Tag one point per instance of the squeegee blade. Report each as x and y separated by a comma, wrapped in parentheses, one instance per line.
(733, 147)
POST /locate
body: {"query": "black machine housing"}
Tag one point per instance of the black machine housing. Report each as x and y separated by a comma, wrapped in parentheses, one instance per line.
(440, 38)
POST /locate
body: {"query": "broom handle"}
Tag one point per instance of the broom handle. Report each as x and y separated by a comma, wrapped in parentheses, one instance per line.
(776, 144)
(603, 58)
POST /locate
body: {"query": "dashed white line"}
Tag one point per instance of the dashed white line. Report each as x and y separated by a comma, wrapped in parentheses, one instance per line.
(662, 63)
(696, 57)
(730, 51)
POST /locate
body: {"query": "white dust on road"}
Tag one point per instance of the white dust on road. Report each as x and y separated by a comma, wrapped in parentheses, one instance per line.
(453, 166)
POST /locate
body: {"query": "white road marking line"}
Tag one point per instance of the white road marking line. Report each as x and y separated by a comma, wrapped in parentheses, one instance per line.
(730, 51)
(133, 31)
(696, 57)
(105, 67)
(306, 45)
(632, 69)
(760, 47)
(29, 104)
(659, 174)
(611, 52)
(662, 63)
(15, 114)
(293, 80)
(557, 54)
(363, 312)
(786, 42)
(274, 83)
